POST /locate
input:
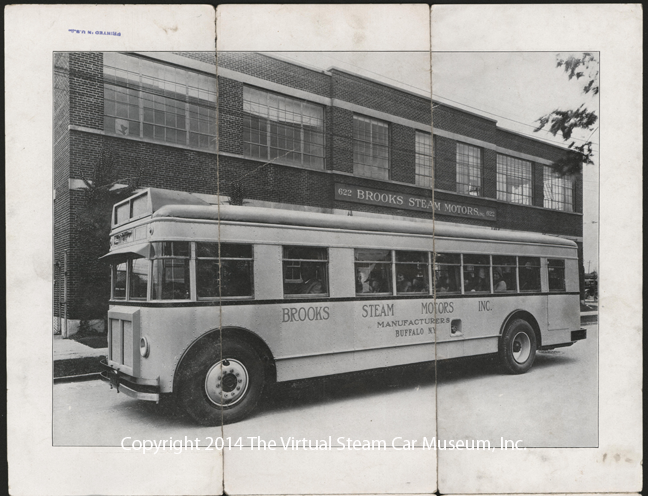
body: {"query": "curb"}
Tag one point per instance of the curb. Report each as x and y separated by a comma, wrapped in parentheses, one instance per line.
(77, 378)
(72, 367)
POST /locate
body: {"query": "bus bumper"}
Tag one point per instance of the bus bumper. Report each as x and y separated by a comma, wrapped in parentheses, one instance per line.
(141, 389)
(579, 334)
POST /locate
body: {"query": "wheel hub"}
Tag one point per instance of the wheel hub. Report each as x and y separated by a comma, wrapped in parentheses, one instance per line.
(521, 347)
(229, 383)
(226, 382)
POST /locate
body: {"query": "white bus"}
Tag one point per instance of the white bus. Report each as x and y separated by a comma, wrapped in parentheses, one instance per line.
(211, 303)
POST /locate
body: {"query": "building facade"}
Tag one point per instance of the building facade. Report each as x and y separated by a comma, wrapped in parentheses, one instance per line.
(254, 129)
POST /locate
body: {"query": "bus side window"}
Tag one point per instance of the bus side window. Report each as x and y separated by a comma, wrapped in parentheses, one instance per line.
(447, 273)
(412, 272)
(236, 270)
(476, 271)
(373, 271)
(504, 277)
(170, 270)
(529, 273)
(556, 270)
(305, 271)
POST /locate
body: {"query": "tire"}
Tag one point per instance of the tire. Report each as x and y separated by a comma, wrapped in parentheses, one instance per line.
(518, 347)
(220, 383)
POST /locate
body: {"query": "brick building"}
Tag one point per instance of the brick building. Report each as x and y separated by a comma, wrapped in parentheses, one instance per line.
(289, 137)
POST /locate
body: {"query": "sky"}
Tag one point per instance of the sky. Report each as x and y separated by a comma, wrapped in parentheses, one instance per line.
(515, 88)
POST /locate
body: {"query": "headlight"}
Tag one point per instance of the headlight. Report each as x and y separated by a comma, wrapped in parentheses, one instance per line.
(144, 347)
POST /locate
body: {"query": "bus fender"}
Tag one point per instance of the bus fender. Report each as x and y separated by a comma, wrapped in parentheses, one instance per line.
(236, 333)
(523, 314)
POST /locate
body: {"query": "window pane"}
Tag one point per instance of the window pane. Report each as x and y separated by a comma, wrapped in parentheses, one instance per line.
(529, 273)
(170, 279)
(171, 249)
(469, 169)
(363, 254)
(370, 147)
(447, 272)
(207, 278)
(282, 128)
(558, 191)
(162, 93)
(412, 256)
(447, 278)
(504, 278)
(236, 278)
(373, 278)
(119, 281)
(139, 206)
(139, 279)
(123, 213)
(411, 278)
(423, 160)
(556, 269)
(302, 276)
(447, 258)
(476, 260)
(514, 180)
(476, 273)
(304, 253)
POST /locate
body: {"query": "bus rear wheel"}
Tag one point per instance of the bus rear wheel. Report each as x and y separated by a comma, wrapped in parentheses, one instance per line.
(221, 383)
(518, 347)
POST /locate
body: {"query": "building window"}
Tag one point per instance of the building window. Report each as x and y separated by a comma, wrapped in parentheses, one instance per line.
(514, 180)
(282, 129)
(469, 170)
(423, 161)
(370, 147)
(558, 191)
(146, 99)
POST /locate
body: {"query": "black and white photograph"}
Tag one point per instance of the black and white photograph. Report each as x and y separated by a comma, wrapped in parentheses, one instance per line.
(305, 255)
(339, 261)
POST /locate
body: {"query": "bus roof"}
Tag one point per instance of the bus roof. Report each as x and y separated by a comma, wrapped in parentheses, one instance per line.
(356, 223)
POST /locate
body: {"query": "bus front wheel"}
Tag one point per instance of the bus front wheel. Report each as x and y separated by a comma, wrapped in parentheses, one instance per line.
(221, 383)
(518, 347)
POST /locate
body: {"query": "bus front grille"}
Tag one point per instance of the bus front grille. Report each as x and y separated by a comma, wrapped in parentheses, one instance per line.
(123, 339)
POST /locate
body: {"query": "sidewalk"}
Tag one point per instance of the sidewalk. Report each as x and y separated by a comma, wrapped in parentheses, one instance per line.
(73, 358)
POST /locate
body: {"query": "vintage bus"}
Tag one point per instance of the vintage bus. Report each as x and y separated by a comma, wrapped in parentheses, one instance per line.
(212, 302)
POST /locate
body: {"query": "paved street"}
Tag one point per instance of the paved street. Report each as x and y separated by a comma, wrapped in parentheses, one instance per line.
(554, 404)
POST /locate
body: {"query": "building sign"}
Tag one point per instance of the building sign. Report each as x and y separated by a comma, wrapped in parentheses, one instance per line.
(370, 196)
